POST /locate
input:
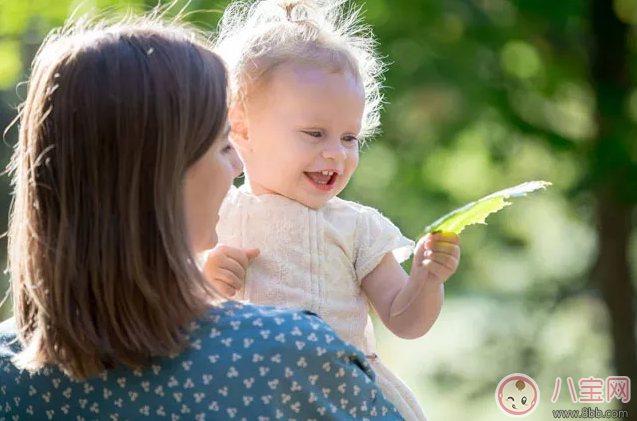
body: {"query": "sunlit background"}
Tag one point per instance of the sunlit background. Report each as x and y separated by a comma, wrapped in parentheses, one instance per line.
(481, 95)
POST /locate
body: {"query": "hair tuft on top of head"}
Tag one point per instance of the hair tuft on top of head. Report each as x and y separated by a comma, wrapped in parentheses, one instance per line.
(253, 38)
(297, 10)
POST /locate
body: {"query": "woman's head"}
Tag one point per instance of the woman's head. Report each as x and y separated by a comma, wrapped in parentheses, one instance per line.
(121, 154)
(305, 81)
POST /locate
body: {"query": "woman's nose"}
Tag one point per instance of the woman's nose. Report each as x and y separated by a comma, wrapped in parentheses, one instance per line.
(237, 164)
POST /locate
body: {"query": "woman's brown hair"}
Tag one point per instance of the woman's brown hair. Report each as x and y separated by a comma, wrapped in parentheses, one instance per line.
(100, 265)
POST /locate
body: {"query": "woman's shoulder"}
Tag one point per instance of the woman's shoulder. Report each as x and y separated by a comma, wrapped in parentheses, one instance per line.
(236, 331)
(231, 318)
(8, 340)
(243, 319)
(275, 361)
(9, 347)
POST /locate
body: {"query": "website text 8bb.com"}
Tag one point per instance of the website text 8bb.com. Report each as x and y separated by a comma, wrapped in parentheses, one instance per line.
(590, 413)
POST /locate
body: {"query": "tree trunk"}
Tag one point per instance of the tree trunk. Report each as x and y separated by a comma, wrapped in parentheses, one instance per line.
(610, 163)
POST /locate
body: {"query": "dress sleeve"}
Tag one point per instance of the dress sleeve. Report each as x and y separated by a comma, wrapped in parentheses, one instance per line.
(325, 377)
(376, 236)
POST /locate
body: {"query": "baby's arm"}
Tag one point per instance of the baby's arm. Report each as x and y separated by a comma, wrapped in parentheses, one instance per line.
(410, 304)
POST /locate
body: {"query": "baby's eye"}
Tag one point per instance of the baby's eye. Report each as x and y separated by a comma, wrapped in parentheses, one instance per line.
(511, 397)
(524, 400)
(313, 133)
(228, 148)
(350, 139)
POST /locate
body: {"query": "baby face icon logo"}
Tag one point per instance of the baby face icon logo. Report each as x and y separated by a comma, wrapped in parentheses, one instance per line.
(517, 395)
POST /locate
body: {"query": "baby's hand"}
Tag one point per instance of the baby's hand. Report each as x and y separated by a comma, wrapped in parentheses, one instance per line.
(226, 267)
(436, 258)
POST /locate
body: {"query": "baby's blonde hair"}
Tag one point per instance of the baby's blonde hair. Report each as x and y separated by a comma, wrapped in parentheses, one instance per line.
(255, 38)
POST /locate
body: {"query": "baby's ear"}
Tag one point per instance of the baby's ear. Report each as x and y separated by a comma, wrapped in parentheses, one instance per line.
(238, 126)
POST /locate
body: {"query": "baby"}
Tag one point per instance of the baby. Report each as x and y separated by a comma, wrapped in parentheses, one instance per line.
(305, 93)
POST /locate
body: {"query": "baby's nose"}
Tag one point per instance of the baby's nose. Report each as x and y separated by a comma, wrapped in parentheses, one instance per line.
(337, 153)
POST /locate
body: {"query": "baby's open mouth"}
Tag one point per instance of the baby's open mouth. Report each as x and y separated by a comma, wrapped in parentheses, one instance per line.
(513, 406)
(322, 179)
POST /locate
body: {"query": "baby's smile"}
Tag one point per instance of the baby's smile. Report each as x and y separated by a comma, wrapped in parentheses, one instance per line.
(322, 180)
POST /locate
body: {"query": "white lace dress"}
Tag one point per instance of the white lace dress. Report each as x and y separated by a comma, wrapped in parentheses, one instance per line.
(315, 260)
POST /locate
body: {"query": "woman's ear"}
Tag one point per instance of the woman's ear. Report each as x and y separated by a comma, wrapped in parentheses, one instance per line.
(238, 127)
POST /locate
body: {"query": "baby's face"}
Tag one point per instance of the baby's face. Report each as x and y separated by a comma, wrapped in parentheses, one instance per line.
(302, 134)
(516, 399)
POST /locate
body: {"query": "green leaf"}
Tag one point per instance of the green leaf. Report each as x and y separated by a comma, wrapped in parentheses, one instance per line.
(477, 212)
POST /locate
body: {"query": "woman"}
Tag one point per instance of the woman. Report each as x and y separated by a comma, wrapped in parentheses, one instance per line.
(122, 158)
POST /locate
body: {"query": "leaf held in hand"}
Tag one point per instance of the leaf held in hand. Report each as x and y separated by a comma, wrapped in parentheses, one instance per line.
(477, 212)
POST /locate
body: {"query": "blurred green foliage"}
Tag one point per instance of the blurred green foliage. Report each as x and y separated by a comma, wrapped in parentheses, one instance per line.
(481, 95)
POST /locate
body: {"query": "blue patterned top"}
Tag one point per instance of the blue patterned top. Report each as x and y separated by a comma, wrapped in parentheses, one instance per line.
(245, 362)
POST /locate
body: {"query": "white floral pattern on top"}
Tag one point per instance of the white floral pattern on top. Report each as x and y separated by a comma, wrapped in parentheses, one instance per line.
(244, 362)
